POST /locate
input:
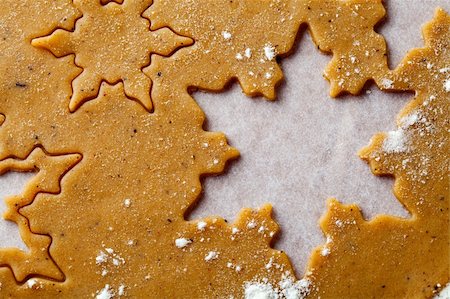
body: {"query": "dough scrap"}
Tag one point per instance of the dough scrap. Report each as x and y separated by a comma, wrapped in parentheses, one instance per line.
(98, 253)
(245, 48)
(408, 257)
(346, 29)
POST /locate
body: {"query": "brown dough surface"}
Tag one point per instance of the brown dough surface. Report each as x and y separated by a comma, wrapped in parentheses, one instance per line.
(50, 169)
(114, 217)
(401, 258)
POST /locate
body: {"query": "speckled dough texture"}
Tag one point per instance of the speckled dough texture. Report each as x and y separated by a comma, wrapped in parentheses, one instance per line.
(96, 99)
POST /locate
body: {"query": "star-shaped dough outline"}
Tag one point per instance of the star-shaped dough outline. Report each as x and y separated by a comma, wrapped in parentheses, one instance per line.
(114, 53)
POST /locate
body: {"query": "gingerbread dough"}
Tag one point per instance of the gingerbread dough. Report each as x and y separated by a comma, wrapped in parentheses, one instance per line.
(118, 27)
(116, 218)
(244, 44)
(406, 258)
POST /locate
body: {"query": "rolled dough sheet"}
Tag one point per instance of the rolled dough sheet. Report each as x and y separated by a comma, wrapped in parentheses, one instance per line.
(310, 140)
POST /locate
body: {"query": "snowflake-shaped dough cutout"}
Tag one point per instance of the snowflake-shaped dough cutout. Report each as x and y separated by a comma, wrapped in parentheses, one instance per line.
(95, 48)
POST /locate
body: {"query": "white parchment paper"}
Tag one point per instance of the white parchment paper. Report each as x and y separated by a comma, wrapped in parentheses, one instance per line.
(300, 150)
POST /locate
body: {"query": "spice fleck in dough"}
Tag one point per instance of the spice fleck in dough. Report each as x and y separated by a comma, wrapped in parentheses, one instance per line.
(116, 217)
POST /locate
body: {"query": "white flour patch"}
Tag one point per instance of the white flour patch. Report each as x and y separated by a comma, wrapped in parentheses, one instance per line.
(212, 255)
(248, 53)
(287, 288)
(396, 142)
(325, 251)
(387, 83)
(270, 52)
(105, 293)
(226, 35)
(260, 291)
(31, 283)
(127, 203)
(108, 260)
(201, 225)
(447, 85)
(182, 242)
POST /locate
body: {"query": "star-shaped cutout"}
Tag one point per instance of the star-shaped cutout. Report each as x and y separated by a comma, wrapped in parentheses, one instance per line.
(112, 43)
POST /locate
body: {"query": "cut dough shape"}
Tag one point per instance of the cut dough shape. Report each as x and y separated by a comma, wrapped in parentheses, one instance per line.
(111, 43)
